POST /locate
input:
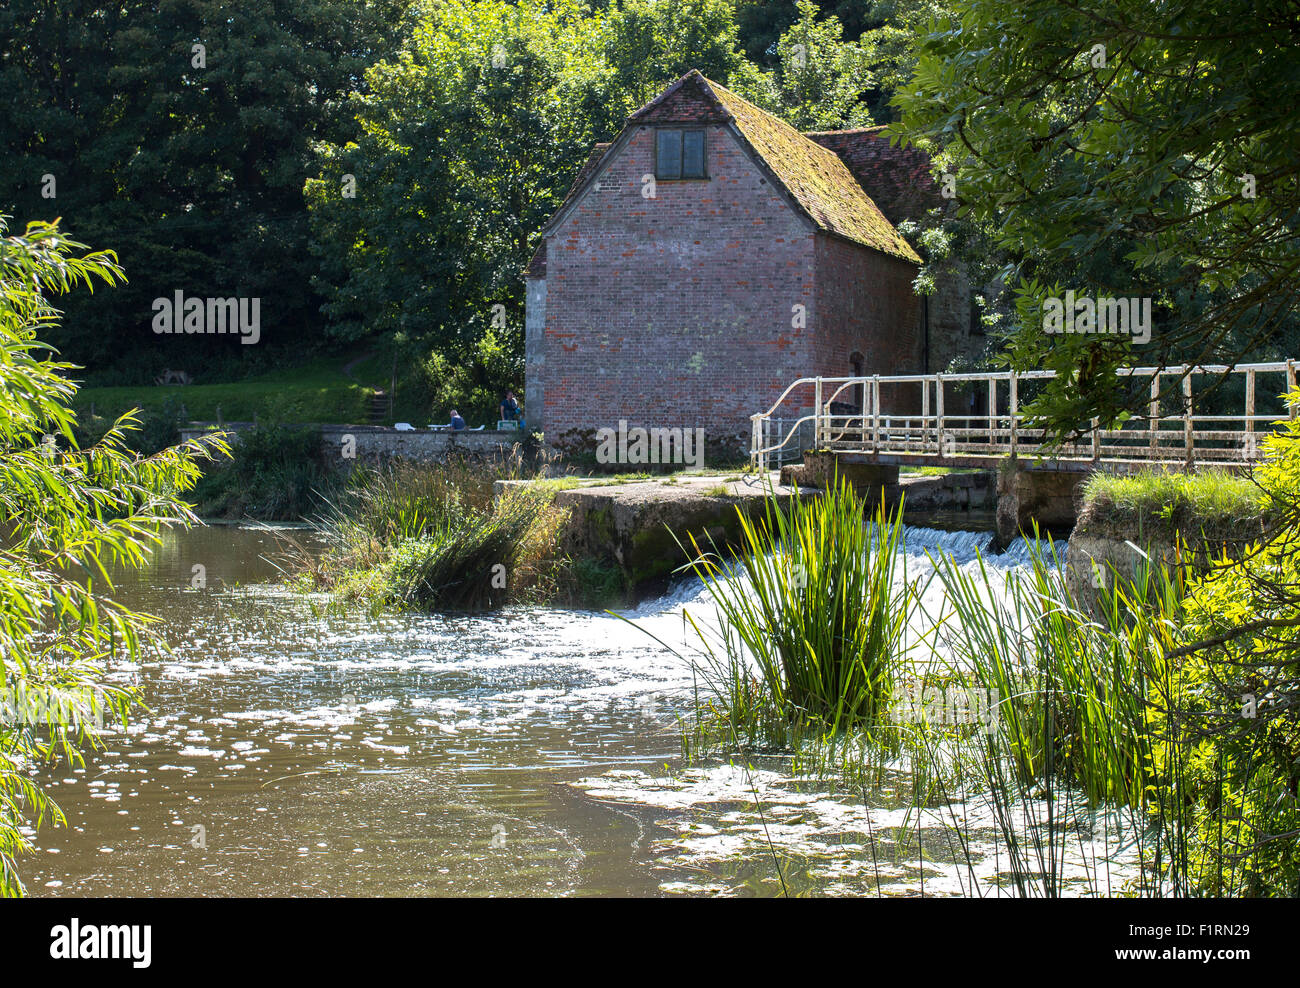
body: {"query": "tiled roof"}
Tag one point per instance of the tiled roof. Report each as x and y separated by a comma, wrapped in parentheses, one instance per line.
(897, 175)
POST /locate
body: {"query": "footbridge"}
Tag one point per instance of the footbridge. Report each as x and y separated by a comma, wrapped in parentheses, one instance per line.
(866, 428)
(975, 420)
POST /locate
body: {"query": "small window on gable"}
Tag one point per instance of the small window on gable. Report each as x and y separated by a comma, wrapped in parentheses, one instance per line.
(679, 154)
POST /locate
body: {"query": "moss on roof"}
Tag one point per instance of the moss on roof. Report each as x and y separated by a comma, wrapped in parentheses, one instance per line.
(813, 176)
(816, 177)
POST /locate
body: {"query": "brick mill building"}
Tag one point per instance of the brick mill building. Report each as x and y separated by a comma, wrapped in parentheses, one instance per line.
(711, 255)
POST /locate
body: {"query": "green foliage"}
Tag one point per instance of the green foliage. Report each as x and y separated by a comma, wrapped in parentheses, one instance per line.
(276, 473)
(196, 173)
(1119, 173)
(468, 136)
(814, 606)
(597, 583)
(1240, 676)
(72, 513)
(475, 383)
(647, 44)
(819, 81)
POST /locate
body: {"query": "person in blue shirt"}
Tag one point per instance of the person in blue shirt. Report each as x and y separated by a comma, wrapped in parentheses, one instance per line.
(457, 423)
(509, 407)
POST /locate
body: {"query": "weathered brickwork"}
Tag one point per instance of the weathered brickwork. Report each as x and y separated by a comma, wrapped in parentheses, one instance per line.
(675, 310)
(696, 303)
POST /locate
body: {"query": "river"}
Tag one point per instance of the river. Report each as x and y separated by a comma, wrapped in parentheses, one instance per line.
(290, 748)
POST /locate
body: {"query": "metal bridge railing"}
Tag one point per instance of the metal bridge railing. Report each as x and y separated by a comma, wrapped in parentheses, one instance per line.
(1158, 434)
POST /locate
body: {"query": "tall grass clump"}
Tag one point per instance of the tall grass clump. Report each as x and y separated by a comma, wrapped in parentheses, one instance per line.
(437, 537)
(465, 563)
(1078, 684)
(813, 604)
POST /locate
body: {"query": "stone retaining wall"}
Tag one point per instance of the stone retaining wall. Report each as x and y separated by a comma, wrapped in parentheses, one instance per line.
(345, 443)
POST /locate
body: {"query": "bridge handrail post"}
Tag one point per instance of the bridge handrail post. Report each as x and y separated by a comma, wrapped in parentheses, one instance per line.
(1187, 416)
(817, 413)
(875, 414)
(925, 415)
(1015, 411)
(992, 408)
(1290, 382)
(1153, 414)
(938, 414)
(1248, 447)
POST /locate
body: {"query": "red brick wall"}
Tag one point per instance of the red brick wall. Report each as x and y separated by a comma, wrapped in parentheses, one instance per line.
(675, 311)
(865, 303)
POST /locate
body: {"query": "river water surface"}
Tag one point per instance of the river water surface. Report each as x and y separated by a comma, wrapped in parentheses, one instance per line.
(293, 749)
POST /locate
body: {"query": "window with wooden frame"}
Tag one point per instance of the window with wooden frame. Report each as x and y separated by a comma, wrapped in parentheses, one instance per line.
(679, 154)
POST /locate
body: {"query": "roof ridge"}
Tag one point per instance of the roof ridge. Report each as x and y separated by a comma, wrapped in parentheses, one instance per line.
(844, 130)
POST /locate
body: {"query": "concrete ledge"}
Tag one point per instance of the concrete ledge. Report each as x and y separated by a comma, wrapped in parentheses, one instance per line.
(637, 525)
(377, 442)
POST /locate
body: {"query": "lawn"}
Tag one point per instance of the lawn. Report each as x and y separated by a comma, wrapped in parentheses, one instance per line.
(314, 392)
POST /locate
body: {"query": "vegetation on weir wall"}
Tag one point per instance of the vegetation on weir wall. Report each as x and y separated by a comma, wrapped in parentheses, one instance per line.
(437, 538)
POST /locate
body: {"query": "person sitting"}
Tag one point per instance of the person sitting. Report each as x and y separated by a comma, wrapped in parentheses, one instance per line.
(509, 407)
(457, 423)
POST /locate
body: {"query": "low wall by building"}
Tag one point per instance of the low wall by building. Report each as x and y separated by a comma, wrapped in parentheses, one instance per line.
(347, 444)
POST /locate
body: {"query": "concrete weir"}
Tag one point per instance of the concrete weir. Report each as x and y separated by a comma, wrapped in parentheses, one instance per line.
(1027, 491)
(1028, 494)
(633, 524)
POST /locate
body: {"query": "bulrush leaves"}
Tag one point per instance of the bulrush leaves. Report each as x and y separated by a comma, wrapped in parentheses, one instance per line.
(814, 606)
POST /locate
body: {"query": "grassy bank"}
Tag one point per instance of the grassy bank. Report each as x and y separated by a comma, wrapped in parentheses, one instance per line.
(1165, 503)
(435, 538)
(315, 392)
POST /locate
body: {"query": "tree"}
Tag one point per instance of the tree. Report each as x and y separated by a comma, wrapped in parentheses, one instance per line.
(468, 137)
(183, 132)
(71, 514)
(649, 43)
(819, 81)
(1131, 148)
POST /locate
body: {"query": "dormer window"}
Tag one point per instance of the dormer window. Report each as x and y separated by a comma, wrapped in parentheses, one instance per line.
(679, 154)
